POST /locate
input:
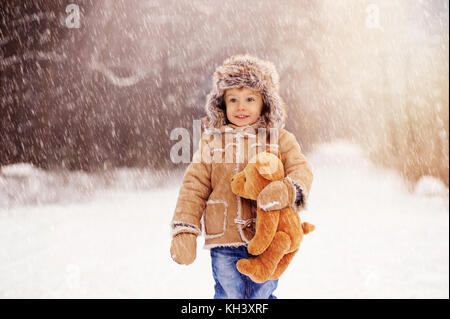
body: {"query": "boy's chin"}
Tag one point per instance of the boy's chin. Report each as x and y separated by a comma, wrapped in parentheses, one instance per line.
(242, 122)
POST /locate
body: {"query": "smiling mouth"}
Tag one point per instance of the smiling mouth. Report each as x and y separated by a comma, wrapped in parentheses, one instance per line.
(241, 116)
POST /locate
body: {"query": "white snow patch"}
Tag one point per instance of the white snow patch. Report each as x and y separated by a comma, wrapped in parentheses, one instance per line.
(430, 186)
(19, 169)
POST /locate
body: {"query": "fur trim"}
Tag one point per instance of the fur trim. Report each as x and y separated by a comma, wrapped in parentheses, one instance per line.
(240, 143)
(300, 197)
(246, 70)
(269, 205)
(182, 227)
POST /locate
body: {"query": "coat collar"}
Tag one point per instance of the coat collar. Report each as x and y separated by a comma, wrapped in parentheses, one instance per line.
(251, 129)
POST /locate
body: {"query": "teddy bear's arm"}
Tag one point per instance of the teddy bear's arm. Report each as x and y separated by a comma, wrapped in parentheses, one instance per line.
(298, 193)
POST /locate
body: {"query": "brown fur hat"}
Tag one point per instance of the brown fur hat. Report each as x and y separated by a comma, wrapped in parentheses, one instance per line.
(246, 70)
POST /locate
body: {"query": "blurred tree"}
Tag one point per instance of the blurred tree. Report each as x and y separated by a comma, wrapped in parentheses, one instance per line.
(109, 93)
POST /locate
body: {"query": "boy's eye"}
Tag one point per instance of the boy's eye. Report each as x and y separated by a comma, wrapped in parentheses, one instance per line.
(250, 99)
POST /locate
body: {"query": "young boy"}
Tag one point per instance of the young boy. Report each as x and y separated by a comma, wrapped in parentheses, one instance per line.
(245, 97)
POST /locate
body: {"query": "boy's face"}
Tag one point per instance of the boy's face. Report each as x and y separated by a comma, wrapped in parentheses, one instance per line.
(243, 106)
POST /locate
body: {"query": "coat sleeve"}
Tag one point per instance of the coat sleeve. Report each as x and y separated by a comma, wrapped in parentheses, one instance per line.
(297, 170)
(194, 192)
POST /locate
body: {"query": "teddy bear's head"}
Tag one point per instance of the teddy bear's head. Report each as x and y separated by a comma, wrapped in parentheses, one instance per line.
(262, 169)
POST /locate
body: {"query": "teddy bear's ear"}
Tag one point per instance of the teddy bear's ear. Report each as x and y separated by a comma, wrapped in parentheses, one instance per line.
(269, 166)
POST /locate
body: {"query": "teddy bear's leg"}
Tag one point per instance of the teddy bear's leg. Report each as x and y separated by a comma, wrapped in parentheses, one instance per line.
(282, 265)
(260, 268)
(265, 229)
(290, 223)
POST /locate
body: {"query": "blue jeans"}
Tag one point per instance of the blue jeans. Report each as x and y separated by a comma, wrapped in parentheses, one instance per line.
(230, 283)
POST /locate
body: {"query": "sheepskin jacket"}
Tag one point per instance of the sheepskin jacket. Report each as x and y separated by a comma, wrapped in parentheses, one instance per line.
(206, 205)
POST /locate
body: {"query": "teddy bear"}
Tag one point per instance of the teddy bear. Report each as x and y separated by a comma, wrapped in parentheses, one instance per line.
(278, 233)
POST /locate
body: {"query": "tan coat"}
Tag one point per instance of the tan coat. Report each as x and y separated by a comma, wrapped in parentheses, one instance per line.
(206, 203)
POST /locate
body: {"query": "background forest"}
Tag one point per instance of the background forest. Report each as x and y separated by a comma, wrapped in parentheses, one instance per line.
(108, 92)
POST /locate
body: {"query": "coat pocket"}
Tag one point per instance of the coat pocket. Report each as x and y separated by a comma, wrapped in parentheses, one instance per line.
(215, 218)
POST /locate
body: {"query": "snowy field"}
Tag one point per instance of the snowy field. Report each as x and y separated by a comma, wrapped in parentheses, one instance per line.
(81, 236)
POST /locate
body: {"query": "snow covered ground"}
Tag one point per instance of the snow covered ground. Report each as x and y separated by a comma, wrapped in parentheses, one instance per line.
(94, 237)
